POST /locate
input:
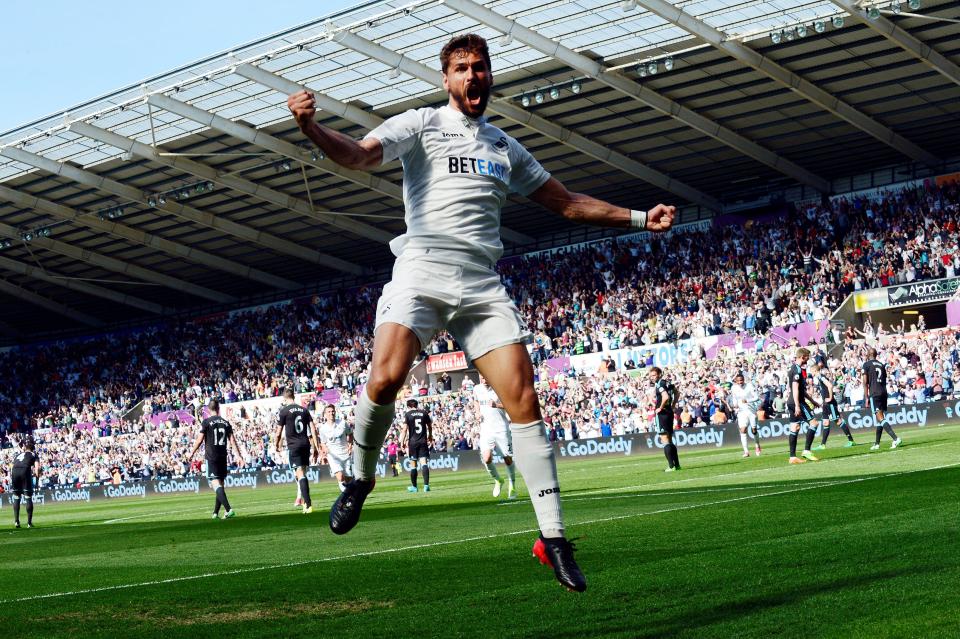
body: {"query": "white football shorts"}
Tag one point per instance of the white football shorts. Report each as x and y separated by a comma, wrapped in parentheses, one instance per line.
(747, 419)
(433, 289)
(495, 432)
(339, 461)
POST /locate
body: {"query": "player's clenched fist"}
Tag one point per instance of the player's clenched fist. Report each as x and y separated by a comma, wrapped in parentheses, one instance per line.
(660, 218)
(303, 106)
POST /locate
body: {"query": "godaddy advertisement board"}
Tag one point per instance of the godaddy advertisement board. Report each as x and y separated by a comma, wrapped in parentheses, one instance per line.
(913, 416)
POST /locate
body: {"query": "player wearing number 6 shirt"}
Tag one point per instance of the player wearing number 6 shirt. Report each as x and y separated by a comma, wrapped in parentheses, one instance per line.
(21, 477)
(458, 171)
(215, 434)
(494, 435)
(336, 441)
(417, 433)
(875, 385)
(295, 422)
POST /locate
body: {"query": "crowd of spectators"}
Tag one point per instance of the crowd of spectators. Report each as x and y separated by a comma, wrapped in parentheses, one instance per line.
(96, 400)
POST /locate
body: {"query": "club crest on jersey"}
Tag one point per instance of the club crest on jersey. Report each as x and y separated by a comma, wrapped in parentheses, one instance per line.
(501, 145)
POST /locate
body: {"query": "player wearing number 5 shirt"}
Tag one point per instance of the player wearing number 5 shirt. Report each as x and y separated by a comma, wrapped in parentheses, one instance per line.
(417, 433)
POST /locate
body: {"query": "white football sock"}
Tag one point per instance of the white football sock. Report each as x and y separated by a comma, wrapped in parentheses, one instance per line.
(511, 474)
(743, 440)
(372, 423)
(534, 457)
(492, 469)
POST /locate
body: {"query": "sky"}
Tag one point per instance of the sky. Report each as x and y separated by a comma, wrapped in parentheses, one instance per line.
(59, 53)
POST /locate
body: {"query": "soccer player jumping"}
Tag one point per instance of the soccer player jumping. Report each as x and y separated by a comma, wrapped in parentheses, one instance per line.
(458, 170)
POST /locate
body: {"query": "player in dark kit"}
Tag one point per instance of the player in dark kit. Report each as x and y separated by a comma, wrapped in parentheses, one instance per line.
(295, 422)
(21, 477)
(417, 433)
(215, 434)
(875, 388)
(831, 412)
(664, 417)
(799, 404)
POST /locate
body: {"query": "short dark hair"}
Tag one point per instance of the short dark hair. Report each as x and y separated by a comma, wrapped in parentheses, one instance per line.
(872, 353)
(288, 392)
(470, 42)
(214, 406)
(656, 369)
(411, 403)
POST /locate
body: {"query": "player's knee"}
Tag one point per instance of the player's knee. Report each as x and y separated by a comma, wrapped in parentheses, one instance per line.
(486, 456)
(384, 384)
(508, 460)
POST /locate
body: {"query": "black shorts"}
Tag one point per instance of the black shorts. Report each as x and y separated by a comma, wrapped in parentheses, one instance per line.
(806, 414)
(831, 410)
(217, 469)
(665, 423)
(392, 459)
(22, 482)
(299, 456)
(878, 403)
(419, 450)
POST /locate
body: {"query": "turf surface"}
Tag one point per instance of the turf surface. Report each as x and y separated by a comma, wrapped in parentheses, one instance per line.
(859, 544)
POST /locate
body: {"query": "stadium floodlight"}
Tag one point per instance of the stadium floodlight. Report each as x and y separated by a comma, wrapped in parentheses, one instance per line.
(210, 186)
(642, 69)
(184, 194)
(506, 39)
(873, 13)
(200, 187)
(554, 93)
(776, 37)
(801, 31)
(161, 199)
(653, 67)
(575, 87)
(628, 5)
(538, 96)
(394, 73)
(525, 100)
(914, 4)
(28, 237)
(819, 26)
(285, 165)
(790, 34)
(837, 22)
(895, 8)
(45, 232)
(151, 201)
(668, 63)
(119, 211)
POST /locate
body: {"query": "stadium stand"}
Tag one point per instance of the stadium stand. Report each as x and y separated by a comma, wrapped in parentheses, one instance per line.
(745, 278)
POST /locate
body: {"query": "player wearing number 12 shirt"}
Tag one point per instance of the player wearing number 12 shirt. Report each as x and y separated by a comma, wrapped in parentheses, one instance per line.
(215, 434)
(417, 432)
(295, 422)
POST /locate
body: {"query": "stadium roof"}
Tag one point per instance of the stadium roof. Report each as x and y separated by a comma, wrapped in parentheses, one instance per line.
(194, 190)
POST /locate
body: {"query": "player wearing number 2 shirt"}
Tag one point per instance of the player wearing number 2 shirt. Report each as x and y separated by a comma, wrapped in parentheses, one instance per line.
(417, 433)
(295, 422)
(215, 434)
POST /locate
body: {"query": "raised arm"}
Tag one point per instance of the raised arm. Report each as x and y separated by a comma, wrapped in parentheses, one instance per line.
(342, 149)
(584, 209)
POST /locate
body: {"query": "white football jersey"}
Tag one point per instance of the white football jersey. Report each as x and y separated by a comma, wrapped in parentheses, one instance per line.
(457, 172)
(334, 436)
(745, 398)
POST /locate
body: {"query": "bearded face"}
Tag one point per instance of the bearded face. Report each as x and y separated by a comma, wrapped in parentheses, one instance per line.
(467, 80)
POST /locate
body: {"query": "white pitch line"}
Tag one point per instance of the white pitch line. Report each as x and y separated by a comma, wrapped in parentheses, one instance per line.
(434, 544)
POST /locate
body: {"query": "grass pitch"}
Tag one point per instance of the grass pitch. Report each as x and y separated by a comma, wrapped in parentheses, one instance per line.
(859, 544)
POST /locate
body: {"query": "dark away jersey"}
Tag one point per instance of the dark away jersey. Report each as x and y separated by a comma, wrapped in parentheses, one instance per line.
(797, 375)
(664, 392)
(417, 422)
(296, 425)
(822, 387)
(25, 459)
(876, 378)
(216, 434)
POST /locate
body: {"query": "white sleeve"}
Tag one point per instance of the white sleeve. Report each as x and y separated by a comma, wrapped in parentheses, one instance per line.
(526, 174)
(398, 135)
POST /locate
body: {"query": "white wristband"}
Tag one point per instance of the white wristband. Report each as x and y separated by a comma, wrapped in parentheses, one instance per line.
(638, 219)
